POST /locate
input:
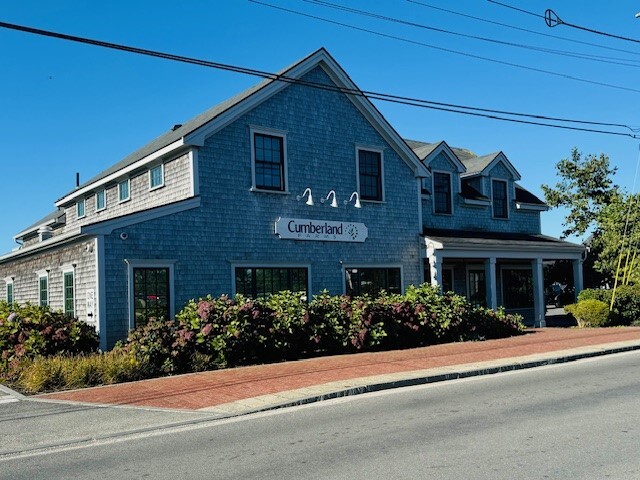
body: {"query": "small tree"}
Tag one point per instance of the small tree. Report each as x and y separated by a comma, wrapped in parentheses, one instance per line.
(585, 188)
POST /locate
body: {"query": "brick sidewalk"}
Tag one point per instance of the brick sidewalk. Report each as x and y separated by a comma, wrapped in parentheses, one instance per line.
(209, 389)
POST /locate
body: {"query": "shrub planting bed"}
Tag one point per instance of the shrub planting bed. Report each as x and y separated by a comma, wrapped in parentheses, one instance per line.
(222, 332)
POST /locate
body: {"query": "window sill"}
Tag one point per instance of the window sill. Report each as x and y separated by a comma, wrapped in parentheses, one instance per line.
(124, 201)
(157, 187)
(264, 190)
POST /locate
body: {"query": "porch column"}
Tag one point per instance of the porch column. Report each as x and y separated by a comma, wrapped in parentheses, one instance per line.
(538, 293)
(435, 270)
(577, 277)
(490, 282)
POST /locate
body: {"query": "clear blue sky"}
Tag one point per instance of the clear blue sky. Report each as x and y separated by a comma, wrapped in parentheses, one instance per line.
(67, 108)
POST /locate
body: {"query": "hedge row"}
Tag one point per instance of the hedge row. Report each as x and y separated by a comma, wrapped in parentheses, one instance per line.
(223, 332)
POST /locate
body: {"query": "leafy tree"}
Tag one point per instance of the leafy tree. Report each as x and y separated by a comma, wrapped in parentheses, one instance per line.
(585, 188)
(616, 241)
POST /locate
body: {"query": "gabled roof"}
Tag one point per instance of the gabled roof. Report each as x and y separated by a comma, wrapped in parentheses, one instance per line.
(193, 132)
(482, 165)
(427, 152)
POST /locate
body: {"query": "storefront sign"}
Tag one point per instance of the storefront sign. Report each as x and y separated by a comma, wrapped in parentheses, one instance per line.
(320, 230)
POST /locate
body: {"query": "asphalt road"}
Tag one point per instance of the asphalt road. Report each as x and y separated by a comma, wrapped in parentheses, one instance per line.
(571, 421)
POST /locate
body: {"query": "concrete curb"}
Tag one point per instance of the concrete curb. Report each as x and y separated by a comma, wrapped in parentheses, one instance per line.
(379, 383)
(8, 395)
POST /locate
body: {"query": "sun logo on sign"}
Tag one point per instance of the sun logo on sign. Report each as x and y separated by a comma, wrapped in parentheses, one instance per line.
(352, 231)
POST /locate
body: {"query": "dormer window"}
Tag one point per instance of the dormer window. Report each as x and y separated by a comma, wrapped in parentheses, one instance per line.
(499, 199)
(442, 193)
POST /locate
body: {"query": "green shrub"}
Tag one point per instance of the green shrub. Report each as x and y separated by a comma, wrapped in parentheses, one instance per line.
(27, 331)
(590, 313)
(626, 306)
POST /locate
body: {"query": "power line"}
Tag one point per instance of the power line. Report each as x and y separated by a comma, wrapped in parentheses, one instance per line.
(448, 50)
(516, 9)
(461, 109)
(595, 58)
(553, 20)
(513, 27)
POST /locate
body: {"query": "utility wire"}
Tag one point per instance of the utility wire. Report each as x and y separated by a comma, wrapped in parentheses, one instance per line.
(553, 20)
(520, 29)
(516, 9)
(461, 109)
(583, 56)
(448, 50)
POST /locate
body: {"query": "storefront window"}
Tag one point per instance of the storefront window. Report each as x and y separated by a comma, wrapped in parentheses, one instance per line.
(517, 288)
(370, 281)
(257, 282)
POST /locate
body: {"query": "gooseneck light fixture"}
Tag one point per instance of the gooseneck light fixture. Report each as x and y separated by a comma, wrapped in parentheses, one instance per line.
(334, 202)
(309, 199)
(357, 197)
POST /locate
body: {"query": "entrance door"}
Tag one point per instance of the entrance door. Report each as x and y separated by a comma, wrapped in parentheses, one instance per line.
(477, 288)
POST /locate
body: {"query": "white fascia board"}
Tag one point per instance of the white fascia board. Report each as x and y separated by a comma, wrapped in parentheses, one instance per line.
(501, 157)
(51, 242)
(478, 203)
(444, 147)
(532, 207)
(335, 72)
(115, 175)
(106, 227)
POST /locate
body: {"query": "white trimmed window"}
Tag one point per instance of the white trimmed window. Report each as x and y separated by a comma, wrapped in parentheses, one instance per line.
(499, 199)
(442, 193)
(69, 291)
(43, 288)
(260, 282)
(370, 174)
(124, 191)
(269, 160)
(80, 208)
(9, 290)
(372, 280)
(101, 200)
(156, 177)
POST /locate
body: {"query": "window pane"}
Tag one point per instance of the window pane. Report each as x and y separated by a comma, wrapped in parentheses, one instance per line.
(156, 176)
(370, 281)
(9, 292)
(123, 190)
(80, 208)
(500, 209)
(69, 300)
(442, 192)
(269, 161)
(370, 172)
(44, 294)
(151, 294)
(258, 282)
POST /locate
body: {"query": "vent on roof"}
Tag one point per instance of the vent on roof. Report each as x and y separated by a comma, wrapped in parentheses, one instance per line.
(176, 126)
